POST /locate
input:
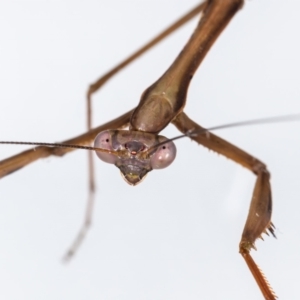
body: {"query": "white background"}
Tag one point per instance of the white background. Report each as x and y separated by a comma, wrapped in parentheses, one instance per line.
(176, 235)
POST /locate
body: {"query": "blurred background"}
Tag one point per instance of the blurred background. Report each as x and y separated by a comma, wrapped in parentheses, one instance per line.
(176, 235)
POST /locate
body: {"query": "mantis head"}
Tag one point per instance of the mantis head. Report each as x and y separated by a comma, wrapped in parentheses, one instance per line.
(135, 153)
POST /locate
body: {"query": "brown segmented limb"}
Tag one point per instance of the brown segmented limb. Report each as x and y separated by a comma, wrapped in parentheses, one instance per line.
(259, 216)
(260, 278)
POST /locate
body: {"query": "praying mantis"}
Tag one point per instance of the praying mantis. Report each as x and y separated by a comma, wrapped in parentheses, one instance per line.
(196, 224)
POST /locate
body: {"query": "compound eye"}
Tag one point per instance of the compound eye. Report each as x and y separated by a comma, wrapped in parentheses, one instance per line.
(103, 141)
(164, 156)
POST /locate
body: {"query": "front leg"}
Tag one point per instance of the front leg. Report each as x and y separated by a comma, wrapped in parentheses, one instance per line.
(259, 216)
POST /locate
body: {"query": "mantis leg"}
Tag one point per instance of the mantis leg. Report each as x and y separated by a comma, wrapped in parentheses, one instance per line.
(259, 215)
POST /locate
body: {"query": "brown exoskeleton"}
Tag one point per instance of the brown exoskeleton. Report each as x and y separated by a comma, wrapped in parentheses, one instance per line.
(256, 170)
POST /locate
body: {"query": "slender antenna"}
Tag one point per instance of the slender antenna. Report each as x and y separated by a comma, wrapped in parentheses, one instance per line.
(58, 145)
(191, 133)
